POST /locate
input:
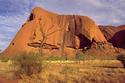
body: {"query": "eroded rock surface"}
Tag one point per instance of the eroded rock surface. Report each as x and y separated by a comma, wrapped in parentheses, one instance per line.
(52, 30)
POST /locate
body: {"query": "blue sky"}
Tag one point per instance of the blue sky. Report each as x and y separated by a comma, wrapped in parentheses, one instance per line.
(13, 13)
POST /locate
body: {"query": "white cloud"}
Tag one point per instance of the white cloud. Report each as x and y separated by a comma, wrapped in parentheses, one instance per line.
(96, 3)
(9, 25)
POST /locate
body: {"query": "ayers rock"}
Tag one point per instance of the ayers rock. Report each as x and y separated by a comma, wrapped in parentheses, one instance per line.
(76, 32)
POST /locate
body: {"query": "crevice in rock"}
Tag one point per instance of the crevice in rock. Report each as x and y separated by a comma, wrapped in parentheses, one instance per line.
(13, 44)
(31, 17)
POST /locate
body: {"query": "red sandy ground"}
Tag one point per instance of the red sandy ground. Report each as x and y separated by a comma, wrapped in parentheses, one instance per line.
(4, 80)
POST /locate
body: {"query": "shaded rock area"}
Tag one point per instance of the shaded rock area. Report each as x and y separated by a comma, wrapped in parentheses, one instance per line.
(114, 35)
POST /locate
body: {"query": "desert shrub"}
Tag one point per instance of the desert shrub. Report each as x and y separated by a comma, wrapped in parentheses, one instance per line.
(81, 56)
(28, 63)
(54, 58)
(93, 57)
(4, 59)
(121, 58)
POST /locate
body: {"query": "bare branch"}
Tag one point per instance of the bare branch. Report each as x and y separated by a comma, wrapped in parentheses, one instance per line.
(54, 32)
(50, 28)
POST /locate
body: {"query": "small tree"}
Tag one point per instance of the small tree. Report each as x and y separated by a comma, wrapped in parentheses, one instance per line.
(46, 33)
(28, 63)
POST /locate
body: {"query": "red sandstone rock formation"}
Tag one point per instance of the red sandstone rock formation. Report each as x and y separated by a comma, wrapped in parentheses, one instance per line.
(52, 30)
(115, 35)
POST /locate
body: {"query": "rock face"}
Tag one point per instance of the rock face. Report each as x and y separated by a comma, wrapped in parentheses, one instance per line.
(53, 31)
(114, 35)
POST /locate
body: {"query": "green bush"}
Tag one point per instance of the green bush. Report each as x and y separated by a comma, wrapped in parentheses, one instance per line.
(93, 57)
(81, 56)
(28, 63)
(121, 58)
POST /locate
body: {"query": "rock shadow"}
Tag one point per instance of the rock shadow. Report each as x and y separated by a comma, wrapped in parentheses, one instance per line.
(118, 40)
